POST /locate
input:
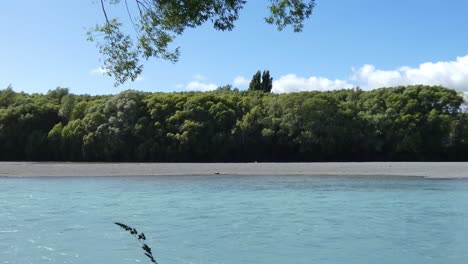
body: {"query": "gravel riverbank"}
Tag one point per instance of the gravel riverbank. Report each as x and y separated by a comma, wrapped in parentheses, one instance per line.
(421, 169)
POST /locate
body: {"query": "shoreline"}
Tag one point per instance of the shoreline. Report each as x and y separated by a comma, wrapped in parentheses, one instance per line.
(433, 170)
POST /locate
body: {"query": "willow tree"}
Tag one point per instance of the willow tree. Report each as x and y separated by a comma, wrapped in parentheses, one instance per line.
(156, 23)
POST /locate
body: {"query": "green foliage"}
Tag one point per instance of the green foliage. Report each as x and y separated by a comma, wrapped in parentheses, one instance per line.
(267, 82)
(413, 123)
(121, 57)
(261, 82)
(157, 23)
(256, 82)
(290, 12)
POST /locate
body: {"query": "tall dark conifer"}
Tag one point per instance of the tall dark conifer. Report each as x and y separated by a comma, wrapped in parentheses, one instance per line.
(261, 82)
(256, 83)
(267, 82)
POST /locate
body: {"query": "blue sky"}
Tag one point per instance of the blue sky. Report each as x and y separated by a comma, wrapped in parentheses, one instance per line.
(345, 43)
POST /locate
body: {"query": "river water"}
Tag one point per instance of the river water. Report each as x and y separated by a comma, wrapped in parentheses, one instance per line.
(234, 219)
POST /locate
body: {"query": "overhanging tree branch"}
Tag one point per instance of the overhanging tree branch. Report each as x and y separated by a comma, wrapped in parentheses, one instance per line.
(160, 22)
(104, 11)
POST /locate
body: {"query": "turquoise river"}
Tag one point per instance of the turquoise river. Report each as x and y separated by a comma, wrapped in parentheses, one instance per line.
(234, 219)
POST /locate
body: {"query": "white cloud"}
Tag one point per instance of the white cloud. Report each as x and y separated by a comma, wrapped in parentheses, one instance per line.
(139, 79)
(99, 71)
(293, 83)
(200, 86)
(241, 82)
(197, 84)
(451, 74)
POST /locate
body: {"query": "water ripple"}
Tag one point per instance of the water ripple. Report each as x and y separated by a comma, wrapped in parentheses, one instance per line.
(259, 220)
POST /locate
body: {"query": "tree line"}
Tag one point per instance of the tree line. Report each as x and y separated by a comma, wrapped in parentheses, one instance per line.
(413, 123)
